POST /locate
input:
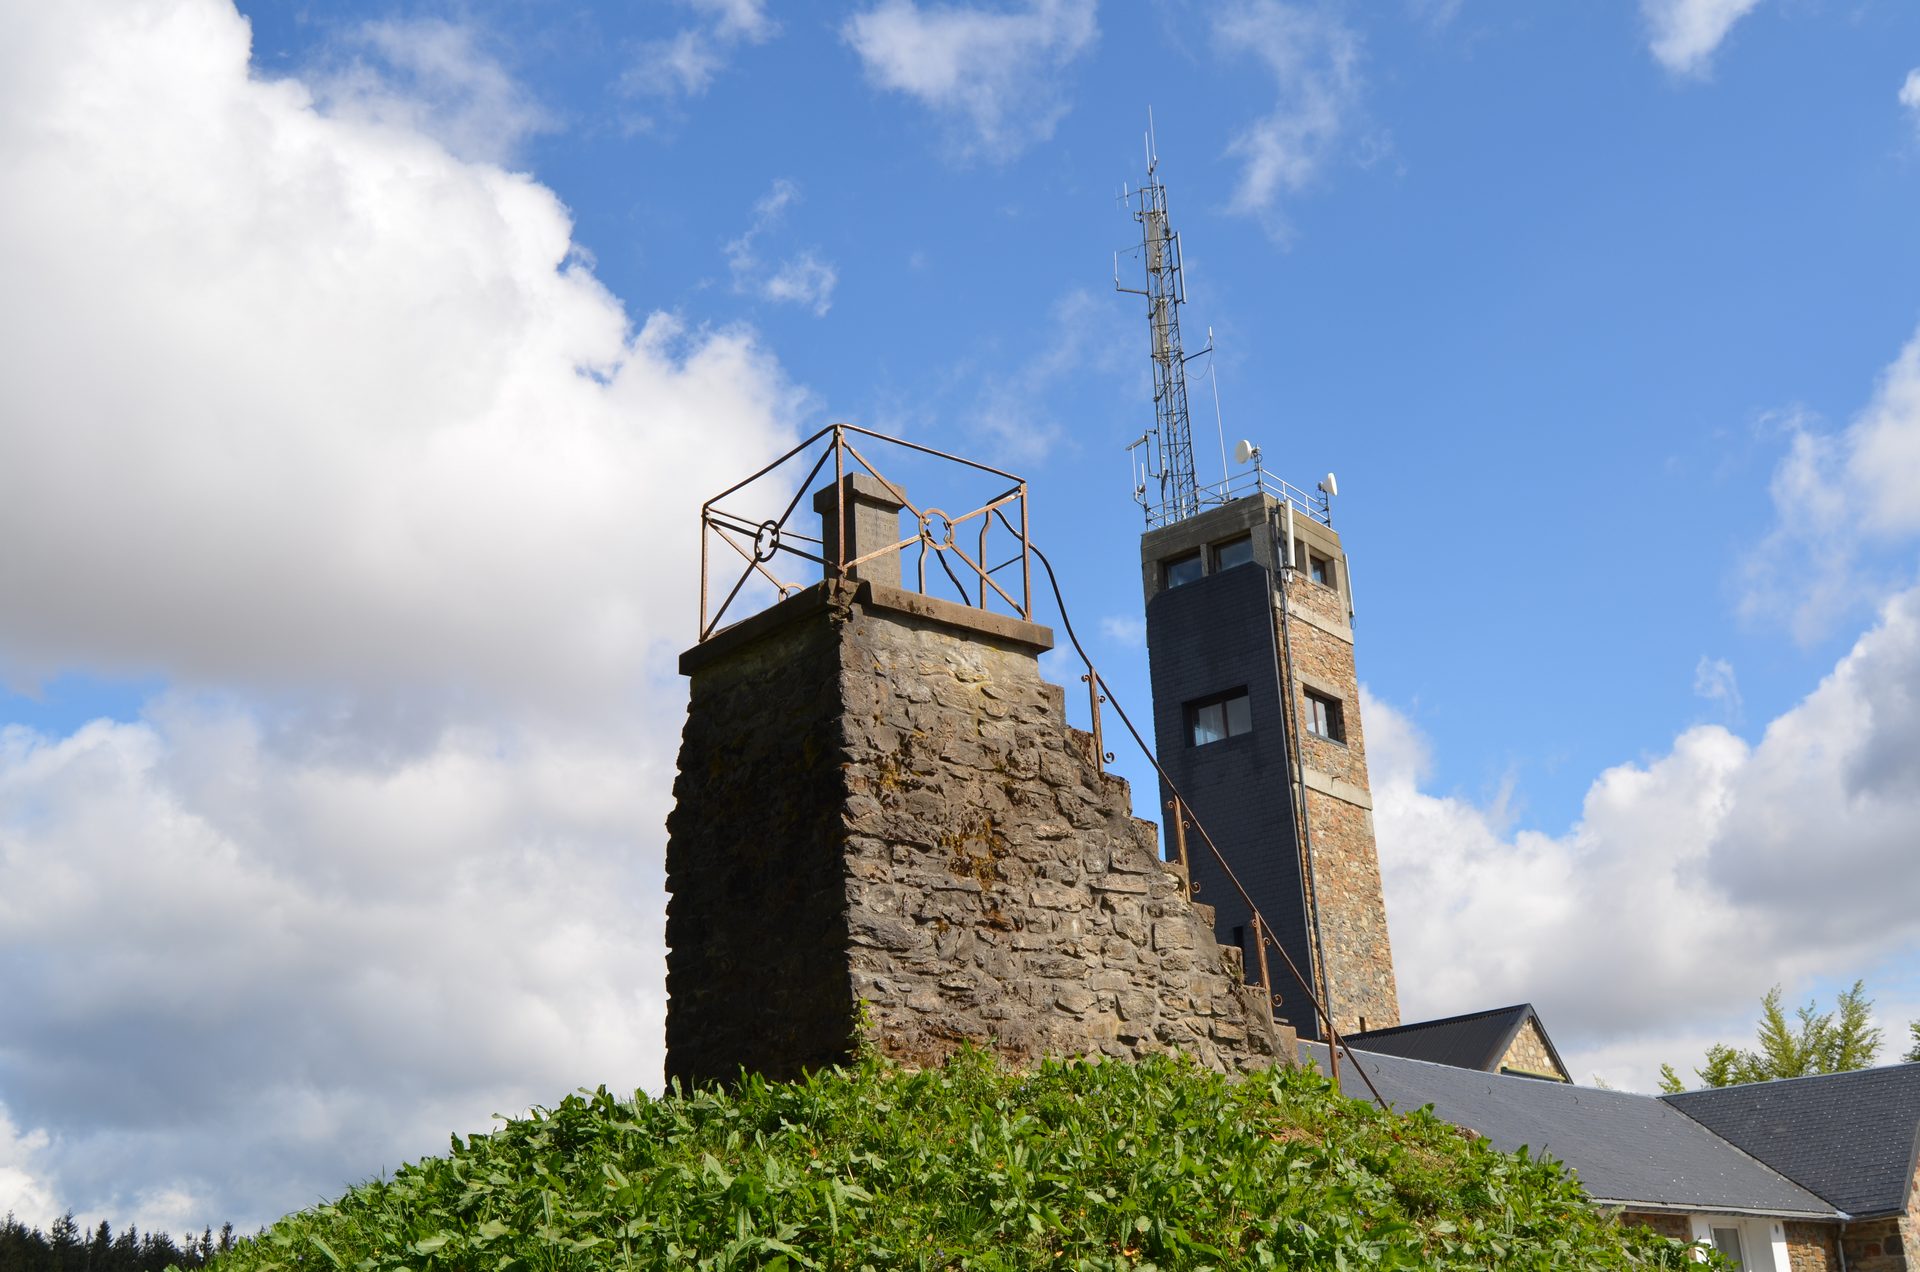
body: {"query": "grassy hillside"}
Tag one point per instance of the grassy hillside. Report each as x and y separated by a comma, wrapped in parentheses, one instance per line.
(1074, 1166)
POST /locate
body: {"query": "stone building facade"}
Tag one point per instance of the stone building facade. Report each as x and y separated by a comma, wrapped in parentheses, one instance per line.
(1286, 798)
(883, 822)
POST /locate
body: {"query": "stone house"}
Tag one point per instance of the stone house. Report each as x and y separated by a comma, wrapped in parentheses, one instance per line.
(1801, 1175)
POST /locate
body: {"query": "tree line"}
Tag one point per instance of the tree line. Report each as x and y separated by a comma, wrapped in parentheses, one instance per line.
(1816, 1041)
(67, 1247)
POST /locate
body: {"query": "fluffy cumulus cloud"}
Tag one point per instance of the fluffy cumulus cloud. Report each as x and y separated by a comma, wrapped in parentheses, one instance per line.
(1910, 95)
(1839, 500)
(1692, 882)
(1313, 58)
(994, 75)
(435, 77)
(1683, 34)
(328, 427)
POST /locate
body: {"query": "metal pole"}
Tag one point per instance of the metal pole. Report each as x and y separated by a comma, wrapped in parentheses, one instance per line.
(1093, 710)
(839, 508)
(1026, 559)
(1260, 944)
(1180, 841)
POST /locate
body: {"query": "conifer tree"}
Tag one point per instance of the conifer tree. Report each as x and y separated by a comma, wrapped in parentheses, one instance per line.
(1822, 1042)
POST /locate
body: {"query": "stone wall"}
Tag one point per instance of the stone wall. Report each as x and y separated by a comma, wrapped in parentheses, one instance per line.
(1528, 1053)
(1346, 863)
(1874, 1245)
(1813, 1247)
(1676, 1227)
(910, 825)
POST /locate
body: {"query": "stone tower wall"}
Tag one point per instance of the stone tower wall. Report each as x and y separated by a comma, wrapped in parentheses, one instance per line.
(911, 827)
(1339, 806)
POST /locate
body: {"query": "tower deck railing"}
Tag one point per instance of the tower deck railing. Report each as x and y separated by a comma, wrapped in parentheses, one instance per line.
(1255, 480)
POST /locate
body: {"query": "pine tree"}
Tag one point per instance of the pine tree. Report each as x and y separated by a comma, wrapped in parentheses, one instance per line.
(1823, 1042)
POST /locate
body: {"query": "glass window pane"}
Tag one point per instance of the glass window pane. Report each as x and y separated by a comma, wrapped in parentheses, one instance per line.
(1239, 715)
(1727, 1242)
(1322, 571)
(1233, 552)
(1183, 569)
(1209, 724)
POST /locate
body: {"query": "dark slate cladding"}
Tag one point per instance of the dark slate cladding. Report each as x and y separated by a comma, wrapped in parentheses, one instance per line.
(1633, 1150)
(1209, 637)
(1474, 1041)
(1850, 1137)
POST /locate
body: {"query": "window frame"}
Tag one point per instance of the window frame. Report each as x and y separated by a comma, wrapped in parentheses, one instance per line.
(1325, 710)
(1218, 549)
(1228, 718)
(1196, 558)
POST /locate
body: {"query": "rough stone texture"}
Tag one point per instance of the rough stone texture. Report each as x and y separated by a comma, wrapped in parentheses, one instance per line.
(1891, 1244)
(1874, 1245)
(1346, 864)
(1812, 1247)
(1675, 1227)
(1528, 1053)
(881, 803)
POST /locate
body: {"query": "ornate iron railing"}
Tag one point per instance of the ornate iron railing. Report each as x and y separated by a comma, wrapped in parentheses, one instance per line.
(770, 545)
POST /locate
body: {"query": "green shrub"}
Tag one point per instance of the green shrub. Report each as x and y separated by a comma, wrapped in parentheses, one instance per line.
(1072, 1166)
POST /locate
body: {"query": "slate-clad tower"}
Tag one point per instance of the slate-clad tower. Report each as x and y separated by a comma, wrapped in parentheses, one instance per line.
(1257, 718)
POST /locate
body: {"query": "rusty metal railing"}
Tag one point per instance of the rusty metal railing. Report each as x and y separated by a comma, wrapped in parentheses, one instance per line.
(770, 545)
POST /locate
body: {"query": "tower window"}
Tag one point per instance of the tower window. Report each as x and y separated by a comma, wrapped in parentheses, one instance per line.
(1320, 569)
(1215, 719)
(1233, 552)
(1183, 569)
(1324, 717)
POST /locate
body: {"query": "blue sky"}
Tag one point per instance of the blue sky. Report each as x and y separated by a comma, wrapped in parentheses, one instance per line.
(339, 702)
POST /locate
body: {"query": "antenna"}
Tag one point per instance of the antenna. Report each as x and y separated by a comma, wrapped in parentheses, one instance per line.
(1165, 292)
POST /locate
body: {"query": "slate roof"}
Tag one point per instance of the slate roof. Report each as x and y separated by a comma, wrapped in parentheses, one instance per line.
(1627, 1149)
(1473, 1041)
(1850, 1137)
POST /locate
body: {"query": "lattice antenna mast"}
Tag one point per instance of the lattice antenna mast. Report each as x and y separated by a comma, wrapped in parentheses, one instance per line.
(1168, 448)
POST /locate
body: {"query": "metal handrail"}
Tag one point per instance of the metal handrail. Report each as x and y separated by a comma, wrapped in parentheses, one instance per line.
(765, 545)
(1249, 481)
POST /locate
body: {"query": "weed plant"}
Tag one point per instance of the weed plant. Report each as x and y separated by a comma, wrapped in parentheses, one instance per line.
(1071, 1166)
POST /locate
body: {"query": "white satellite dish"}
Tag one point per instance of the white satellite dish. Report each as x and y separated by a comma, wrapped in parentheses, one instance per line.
(1243, 451)
(1329, 485)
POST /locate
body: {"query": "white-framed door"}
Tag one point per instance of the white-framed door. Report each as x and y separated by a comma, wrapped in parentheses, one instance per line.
(1750, 1244)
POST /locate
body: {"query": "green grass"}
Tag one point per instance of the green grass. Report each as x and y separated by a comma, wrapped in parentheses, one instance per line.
(1073, 1166)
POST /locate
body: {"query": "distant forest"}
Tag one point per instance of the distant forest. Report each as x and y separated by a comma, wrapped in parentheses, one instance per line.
(69, 1248)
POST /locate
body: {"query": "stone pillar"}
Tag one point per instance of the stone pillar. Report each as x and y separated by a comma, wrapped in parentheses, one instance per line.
(882, 812)
(873, 521)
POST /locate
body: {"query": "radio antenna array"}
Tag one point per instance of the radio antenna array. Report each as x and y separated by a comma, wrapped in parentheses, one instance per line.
(1168, 446)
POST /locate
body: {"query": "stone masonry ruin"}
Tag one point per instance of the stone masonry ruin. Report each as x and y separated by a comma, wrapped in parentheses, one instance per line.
(882, 819)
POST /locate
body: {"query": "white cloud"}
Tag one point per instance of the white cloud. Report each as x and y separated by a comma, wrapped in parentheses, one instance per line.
(334, 431)
(802, 279)
(684, 64)
(1910, 94)
(1714, 680)
(1836, 497)
(433, 77)
(23, 1193)
(1683, 34)
(1009, 410)
(1692, 882)
(993, 74)
(1124, 630)
(1314, 60)
(245, 972)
